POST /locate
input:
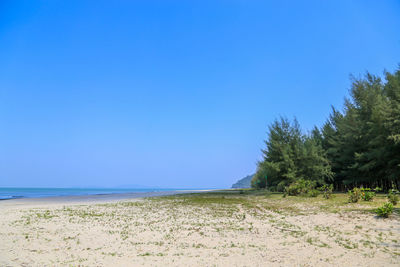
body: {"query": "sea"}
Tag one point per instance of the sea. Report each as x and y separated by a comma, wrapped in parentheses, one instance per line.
(21, 192)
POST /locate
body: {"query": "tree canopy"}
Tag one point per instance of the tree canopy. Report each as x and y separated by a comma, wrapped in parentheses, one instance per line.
(358, 146)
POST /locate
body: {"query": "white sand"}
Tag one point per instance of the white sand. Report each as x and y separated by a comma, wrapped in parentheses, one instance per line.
(154, 232)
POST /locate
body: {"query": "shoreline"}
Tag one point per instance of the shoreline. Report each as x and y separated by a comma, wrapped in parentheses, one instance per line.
(91, 199)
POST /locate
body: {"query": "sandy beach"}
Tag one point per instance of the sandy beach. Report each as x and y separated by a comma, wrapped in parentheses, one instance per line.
(206, 229)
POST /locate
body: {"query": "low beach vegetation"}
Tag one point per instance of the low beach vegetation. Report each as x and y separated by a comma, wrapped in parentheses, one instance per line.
(393, 197)
(327, 191)
(301, 188)
(354, 195)
(367, 194)
(385, 210)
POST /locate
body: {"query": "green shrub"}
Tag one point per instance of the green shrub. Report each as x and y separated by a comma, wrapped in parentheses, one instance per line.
(326, 191)
(281, 187)
(385, 210)
(393, 197)
(313, 193)
(367, 194)
(354, 195)
(272, 188)
(300, 188)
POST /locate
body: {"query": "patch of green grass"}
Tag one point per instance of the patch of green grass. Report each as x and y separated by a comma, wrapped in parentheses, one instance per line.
(145, 254)
(346, 243)
(45, 215)
(229, 201)
(316, 242)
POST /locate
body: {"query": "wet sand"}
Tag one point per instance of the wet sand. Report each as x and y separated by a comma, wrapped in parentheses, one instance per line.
(88, 199)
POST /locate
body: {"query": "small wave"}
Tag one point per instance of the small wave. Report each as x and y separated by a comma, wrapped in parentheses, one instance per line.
(10, 197)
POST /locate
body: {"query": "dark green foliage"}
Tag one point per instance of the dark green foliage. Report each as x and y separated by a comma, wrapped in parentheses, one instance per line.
(363, 142)
(385, 210)
(259, 180)
(392, 128)
(354, 195)
(393, 197)
(357, 147)
(289, 156)
(326, 191)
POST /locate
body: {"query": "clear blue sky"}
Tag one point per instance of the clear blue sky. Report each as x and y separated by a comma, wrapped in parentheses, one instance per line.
(172, 93)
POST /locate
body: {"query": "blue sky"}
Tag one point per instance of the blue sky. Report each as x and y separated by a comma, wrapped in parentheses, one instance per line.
(173, 93)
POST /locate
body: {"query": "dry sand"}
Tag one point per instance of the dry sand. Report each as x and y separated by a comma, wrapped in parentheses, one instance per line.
(175, 232)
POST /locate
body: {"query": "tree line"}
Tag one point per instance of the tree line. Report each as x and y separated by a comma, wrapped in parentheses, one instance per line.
(358, 146)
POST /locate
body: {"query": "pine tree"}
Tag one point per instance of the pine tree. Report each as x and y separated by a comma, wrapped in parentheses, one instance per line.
(392, 125)
(359, 146)
(362, 143)
(290, 156)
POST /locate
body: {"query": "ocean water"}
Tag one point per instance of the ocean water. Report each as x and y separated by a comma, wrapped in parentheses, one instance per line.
(19, 192)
